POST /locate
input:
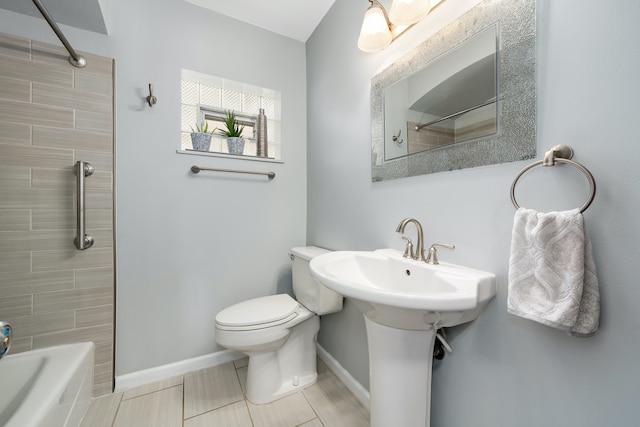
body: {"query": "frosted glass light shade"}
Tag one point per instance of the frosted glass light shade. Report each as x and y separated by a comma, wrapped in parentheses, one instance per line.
(374, 34)
(408, 12)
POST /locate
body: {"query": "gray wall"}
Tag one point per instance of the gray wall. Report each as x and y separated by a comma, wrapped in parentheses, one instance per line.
(505, 371)
(188, 246)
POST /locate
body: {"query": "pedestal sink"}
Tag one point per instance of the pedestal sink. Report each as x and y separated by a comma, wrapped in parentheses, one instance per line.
(404, 302)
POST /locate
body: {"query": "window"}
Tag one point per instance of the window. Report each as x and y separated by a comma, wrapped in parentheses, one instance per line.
(207, 98)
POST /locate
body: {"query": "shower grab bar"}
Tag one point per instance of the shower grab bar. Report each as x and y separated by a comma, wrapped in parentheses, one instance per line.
(83, 169)
(74, 59)
(197, 169)
(451, 116)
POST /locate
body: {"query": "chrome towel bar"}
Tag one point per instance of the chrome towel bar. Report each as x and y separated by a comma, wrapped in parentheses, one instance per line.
(197, 169)
(560, 154)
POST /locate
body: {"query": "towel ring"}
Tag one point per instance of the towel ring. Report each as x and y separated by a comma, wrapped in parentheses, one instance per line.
(550, 160)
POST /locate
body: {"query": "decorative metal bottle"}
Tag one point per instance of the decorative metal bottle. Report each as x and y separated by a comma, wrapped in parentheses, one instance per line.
(262, 149)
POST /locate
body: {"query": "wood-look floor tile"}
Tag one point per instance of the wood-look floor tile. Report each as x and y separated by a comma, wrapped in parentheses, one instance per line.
(102, 411)
(210, 389)
(290, 411)
(335, 404)
(159, 409)
(234, 415)
(313, 423)
(153, 387)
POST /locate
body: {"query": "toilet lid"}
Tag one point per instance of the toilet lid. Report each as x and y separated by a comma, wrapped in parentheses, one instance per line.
(258, 311)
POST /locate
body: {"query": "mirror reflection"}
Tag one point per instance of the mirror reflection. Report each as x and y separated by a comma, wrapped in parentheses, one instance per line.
(451, 100)
(495, 39)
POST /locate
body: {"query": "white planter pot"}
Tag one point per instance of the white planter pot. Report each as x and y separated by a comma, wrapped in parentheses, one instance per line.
(235, 145)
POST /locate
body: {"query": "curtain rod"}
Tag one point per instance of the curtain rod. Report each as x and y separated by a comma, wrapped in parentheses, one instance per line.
(75, 59)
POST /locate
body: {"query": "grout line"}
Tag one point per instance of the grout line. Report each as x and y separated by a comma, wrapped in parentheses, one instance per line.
(115, 415)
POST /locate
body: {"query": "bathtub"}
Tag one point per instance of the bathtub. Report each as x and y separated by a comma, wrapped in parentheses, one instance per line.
(47, 387)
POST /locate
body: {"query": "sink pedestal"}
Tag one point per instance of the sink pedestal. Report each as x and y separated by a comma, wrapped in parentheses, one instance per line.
(400, 363)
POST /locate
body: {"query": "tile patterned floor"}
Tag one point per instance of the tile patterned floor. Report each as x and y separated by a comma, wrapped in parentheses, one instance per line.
(215, 397)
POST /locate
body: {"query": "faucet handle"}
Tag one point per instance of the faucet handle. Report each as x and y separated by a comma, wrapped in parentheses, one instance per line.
(5, 338)
(408, 250)
(432, 258)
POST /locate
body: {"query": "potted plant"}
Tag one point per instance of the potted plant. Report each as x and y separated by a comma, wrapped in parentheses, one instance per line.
(201, 137)
(235, 142)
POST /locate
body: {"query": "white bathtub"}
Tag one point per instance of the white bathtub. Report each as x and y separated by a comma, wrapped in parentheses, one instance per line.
(47, 387)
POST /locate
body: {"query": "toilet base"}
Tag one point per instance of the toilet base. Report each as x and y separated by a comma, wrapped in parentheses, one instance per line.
(275, 374)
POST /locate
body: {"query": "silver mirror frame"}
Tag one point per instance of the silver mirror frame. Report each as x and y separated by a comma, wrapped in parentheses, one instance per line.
(516, 136)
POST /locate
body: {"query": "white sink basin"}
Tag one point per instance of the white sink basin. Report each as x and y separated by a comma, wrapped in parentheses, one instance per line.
(404, 293)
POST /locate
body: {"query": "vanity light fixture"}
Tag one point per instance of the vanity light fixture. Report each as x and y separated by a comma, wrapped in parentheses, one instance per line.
(379, 29)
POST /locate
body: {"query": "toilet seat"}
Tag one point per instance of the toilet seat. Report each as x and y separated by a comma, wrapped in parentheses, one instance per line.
(259, 313)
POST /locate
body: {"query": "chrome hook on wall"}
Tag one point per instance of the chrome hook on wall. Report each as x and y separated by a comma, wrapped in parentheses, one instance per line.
(151, 99)
(396, 137)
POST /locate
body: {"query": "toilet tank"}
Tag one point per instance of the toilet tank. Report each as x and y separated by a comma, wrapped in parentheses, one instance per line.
(308, 291)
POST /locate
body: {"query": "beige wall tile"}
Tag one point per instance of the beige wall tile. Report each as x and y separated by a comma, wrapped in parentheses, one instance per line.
(102, 239)
(43, 157)
(21, 305)
(72, 259)
(35, 114)
(94, 277)
(52, 178)
(15, 219)
(11, 241)
(313, 423)
(103, 353)
(100, 161)
(95, 316)
(96, 83)
(95, 199)
(32, 283)
(18, 262)
(18, 345)
(47, 74)
(98, 65)
(24, 69)
(72, 299)
(15, 176)
(52, 219)
(44, 323)
(160, 409)
(52, 54)
(103, 373)
(89, 120)
(97, 334)
(17, 90)
(73, 139)
(15, 133)
(39, 198)
(15, 46)
(70, 98)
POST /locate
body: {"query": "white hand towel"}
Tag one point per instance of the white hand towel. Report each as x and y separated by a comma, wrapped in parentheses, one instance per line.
(552, 275)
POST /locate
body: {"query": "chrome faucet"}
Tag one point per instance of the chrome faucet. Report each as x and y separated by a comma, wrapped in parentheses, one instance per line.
(419, 252)
(5, 338)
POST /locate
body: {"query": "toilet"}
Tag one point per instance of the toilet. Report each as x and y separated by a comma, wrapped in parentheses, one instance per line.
(279, 333)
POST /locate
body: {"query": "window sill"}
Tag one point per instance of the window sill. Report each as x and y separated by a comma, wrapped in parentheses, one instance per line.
(229, 156)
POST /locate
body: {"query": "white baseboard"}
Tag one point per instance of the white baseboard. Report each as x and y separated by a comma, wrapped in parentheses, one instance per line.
(159, 373)
(354, 386)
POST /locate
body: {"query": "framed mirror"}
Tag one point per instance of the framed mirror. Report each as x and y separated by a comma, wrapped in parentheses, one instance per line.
(463, 98)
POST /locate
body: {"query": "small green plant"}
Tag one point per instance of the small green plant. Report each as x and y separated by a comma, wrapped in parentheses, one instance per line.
(234, 129)
(202, 128)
